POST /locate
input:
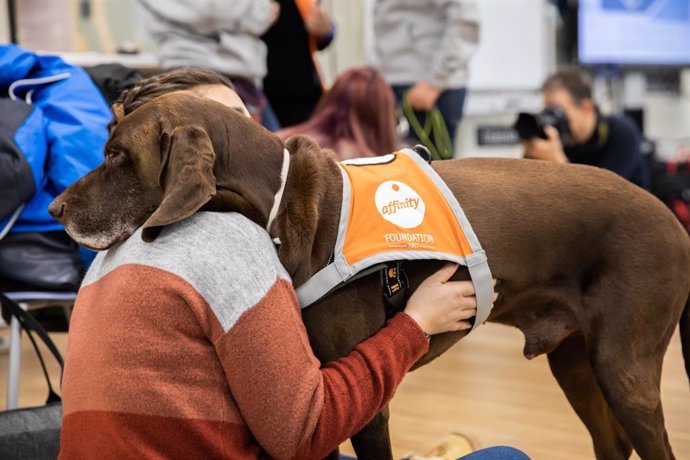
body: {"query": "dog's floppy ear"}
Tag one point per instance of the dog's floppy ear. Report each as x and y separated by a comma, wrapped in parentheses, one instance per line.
(186, 176)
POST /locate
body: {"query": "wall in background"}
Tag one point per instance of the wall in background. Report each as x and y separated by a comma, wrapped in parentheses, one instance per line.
(79, 25)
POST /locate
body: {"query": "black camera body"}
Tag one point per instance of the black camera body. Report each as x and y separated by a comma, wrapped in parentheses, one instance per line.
(529, 125)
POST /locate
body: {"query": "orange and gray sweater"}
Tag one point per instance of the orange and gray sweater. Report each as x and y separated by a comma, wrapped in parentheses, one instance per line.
(192, 346)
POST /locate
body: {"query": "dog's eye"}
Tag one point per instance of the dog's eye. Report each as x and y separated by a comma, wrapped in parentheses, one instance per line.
(112, 154)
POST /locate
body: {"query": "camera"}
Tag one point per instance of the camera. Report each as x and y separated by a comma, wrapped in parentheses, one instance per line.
(529, 125)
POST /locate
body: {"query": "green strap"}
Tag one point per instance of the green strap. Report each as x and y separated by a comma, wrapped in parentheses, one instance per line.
(441, 148)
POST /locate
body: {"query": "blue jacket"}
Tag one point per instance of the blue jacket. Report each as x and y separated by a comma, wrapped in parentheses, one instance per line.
(63, 136)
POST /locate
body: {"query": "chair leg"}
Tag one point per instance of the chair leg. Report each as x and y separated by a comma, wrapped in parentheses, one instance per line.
(14, 361)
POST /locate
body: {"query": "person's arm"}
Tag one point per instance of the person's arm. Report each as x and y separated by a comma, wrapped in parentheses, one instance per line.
(458, 43)
(460, 40)
(319, 24)
(293, 407)
(297, 409)
(250, 16)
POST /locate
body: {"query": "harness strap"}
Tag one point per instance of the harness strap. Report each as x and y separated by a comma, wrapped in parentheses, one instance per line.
(395, 288)
(312, 289)
(478, 267)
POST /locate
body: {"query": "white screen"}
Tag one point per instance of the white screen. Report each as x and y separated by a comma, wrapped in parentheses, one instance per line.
(634, 32)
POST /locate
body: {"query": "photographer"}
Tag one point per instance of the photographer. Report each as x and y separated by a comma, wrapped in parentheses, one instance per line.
(585, 135)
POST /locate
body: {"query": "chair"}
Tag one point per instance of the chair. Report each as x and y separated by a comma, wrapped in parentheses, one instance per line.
(29, 300)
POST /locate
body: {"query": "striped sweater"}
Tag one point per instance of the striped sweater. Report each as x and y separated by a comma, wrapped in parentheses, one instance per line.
(193, 347)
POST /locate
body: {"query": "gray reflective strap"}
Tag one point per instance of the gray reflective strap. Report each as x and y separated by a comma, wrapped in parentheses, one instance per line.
(318, 285)
(323, 281)
(392, 256)
(478, 267)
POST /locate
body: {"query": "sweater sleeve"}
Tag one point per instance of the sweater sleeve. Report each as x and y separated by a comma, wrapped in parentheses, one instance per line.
(459, 41)
(294, 407)
(622, 151)
(212, 16)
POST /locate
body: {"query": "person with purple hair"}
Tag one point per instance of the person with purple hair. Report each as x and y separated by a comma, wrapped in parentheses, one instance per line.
(355, 118)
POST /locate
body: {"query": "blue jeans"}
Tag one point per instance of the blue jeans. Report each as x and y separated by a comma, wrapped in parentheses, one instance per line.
(450, 103)
(269, 119)
(496, 453)
(490, 453)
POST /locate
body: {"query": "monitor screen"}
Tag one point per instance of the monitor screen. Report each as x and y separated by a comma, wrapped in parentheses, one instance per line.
(634, 32)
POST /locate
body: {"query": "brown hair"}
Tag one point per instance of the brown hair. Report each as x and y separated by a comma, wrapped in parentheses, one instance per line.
(359, 108)
(572, 79)
(174, 80)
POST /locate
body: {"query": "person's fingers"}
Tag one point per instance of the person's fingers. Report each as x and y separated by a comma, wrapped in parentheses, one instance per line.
(463, 314)
(464, 325)
(462, 289)
(445, 273)
(318, 22)
(552, 133)
(423, 105)
(275, 11)
(415, 102)
(419, 99)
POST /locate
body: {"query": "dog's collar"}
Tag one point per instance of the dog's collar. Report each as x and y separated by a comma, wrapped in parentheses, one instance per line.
(279, 194)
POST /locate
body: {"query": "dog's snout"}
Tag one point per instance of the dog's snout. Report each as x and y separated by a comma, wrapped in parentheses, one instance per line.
(56, 209)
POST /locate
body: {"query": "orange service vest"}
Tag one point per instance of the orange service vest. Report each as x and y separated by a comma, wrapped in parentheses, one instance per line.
(396, 207)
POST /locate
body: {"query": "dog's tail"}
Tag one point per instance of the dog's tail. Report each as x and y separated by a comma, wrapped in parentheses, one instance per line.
(685, 335)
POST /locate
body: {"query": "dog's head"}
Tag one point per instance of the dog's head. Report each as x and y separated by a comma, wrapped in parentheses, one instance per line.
(158, 169)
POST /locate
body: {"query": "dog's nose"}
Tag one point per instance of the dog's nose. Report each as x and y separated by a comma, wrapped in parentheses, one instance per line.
(56, 209)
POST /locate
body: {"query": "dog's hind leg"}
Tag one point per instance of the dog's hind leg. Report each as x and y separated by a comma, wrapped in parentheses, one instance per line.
(373, 441)
(626, 356)
(631, 386)
(571, 369)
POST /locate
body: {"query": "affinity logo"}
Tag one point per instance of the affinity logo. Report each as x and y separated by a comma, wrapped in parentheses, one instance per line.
(399, 204)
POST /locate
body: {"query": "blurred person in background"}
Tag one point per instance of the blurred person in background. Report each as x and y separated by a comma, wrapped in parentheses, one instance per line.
(355, 118)
(607, 141)
(423, 49)
(219, 35)
(293, 83)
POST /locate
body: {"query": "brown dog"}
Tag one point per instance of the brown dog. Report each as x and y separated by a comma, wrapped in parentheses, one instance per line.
(595, 272)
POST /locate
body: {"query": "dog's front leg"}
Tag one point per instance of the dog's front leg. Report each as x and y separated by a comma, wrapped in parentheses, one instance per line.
(373, 442)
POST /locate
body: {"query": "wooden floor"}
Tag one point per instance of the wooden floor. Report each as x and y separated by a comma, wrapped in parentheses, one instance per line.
(482, 387)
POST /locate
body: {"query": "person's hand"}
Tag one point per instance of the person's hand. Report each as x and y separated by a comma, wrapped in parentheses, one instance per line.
(317, 22)
(423, 96)
(549, 149)
(439, 305)
(275, 11)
